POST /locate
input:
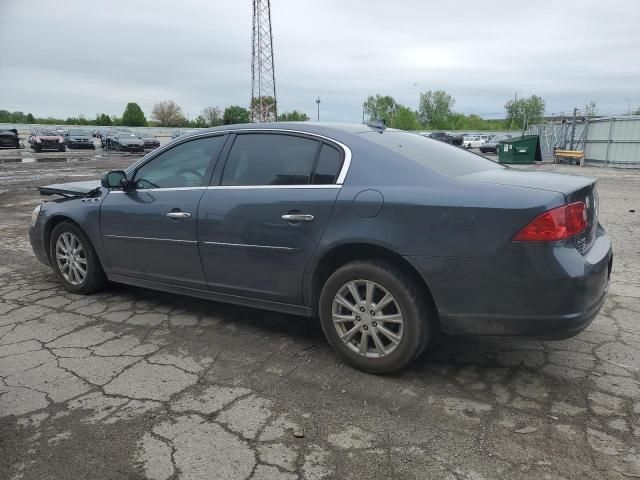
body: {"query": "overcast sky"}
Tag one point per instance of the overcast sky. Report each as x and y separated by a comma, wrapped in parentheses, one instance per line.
(70, 57)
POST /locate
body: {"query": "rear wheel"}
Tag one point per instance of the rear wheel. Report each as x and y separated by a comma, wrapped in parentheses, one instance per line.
(74, 260)
(374, 316)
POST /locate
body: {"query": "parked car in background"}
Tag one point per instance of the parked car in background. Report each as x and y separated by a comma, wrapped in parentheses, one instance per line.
(47, 139)
(385, 235)
(105, 139)
(9, 138)
(493, 144)
(472, 141)
(447, 138)
(150, 142)
(126, 141)
(78, 138)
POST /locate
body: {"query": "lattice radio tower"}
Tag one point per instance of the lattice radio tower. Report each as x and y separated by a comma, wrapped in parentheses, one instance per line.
(263, 75)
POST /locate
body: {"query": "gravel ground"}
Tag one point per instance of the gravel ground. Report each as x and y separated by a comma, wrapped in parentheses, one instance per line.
(131, 383)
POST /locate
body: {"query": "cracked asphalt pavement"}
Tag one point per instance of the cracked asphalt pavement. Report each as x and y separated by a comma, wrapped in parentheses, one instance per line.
(131, 383)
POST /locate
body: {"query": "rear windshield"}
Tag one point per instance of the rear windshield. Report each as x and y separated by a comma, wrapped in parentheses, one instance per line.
(438, 156)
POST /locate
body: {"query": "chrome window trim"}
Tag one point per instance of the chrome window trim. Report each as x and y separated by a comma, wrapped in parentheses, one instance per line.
(150, 239)
(339, 181)
(252, 247)
(270, 187)
(231, 187)
(173, 189)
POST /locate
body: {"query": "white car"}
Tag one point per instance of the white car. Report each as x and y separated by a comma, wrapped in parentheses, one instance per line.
(474, 141)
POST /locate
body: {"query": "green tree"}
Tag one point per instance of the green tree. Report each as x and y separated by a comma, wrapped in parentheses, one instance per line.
(133, 116)
(30, 118)
(212, 116)
(379, 107)
(5, 116)
(168, 114)
(103, 119)
(525, 111)
(435, 108)
(235, 114)
(405, 119)
(18, 117)
(199, 122)
(294, 116)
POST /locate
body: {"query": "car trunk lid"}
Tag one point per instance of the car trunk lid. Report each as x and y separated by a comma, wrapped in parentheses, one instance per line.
(574, 188)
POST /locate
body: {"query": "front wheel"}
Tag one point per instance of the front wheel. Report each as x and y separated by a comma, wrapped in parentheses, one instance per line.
(375, 316)
(74, 260)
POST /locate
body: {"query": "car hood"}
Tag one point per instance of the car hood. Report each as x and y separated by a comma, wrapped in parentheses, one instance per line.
(74, 189)
(48, 137)
(132, 141)
(551, 182)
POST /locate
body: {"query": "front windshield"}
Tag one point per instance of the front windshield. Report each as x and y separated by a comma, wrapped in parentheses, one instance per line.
(45, 133)
(79, 132)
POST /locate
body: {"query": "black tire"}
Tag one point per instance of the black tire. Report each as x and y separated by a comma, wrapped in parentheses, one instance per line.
(63, 148)
(95, 278)
(37, 148)
(417, 312)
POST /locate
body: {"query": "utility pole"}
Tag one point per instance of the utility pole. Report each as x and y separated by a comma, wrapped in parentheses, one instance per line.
(573, 128)
(318, 103)
(515, 100)
(264, 106)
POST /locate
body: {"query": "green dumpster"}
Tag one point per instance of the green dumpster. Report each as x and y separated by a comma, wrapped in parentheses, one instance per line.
(524, 149)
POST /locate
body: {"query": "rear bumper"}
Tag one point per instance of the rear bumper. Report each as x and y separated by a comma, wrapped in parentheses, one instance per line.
(546, 291)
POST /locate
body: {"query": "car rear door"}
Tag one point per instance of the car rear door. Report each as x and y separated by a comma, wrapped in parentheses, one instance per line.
(266, 211)
(149, 232)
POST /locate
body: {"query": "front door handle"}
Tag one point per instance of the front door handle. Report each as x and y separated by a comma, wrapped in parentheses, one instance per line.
(178, 215)
(297, 217)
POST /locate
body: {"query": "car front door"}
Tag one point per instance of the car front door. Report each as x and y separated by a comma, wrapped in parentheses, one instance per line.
(265, 213)
(149, 231)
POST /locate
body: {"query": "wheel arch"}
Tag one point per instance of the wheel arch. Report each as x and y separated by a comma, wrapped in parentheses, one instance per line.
(342, 254)
(52, 223)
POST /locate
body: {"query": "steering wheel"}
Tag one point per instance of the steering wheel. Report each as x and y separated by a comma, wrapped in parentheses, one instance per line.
(189, 170)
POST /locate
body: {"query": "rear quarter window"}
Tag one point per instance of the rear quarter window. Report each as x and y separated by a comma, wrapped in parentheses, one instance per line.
(435, 155)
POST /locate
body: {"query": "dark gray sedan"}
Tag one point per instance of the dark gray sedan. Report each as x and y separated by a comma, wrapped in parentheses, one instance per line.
(383, 234)
(126, 141)
(78, 138)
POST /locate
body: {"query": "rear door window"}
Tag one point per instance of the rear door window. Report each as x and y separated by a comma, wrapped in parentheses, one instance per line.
(270, 159)
(328, 166)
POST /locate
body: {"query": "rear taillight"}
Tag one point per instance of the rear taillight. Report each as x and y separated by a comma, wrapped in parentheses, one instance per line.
(557, 224)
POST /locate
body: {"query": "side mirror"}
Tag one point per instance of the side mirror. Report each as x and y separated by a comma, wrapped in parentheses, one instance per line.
(116, 179)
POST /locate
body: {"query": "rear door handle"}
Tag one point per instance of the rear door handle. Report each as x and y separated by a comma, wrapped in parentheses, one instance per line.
(297, 217)
(178, 215)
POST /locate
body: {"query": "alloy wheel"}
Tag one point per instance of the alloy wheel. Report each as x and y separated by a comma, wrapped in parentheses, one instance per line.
(367, 318)
(71, 258)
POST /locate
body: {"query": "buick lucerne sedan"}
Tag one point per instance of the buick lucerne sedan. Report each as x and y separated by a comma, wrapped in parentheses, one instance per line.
(385, 235)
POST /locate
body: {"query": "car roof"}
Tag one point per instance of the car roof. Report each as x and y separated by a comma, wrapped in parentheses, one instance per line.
(337, 131)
